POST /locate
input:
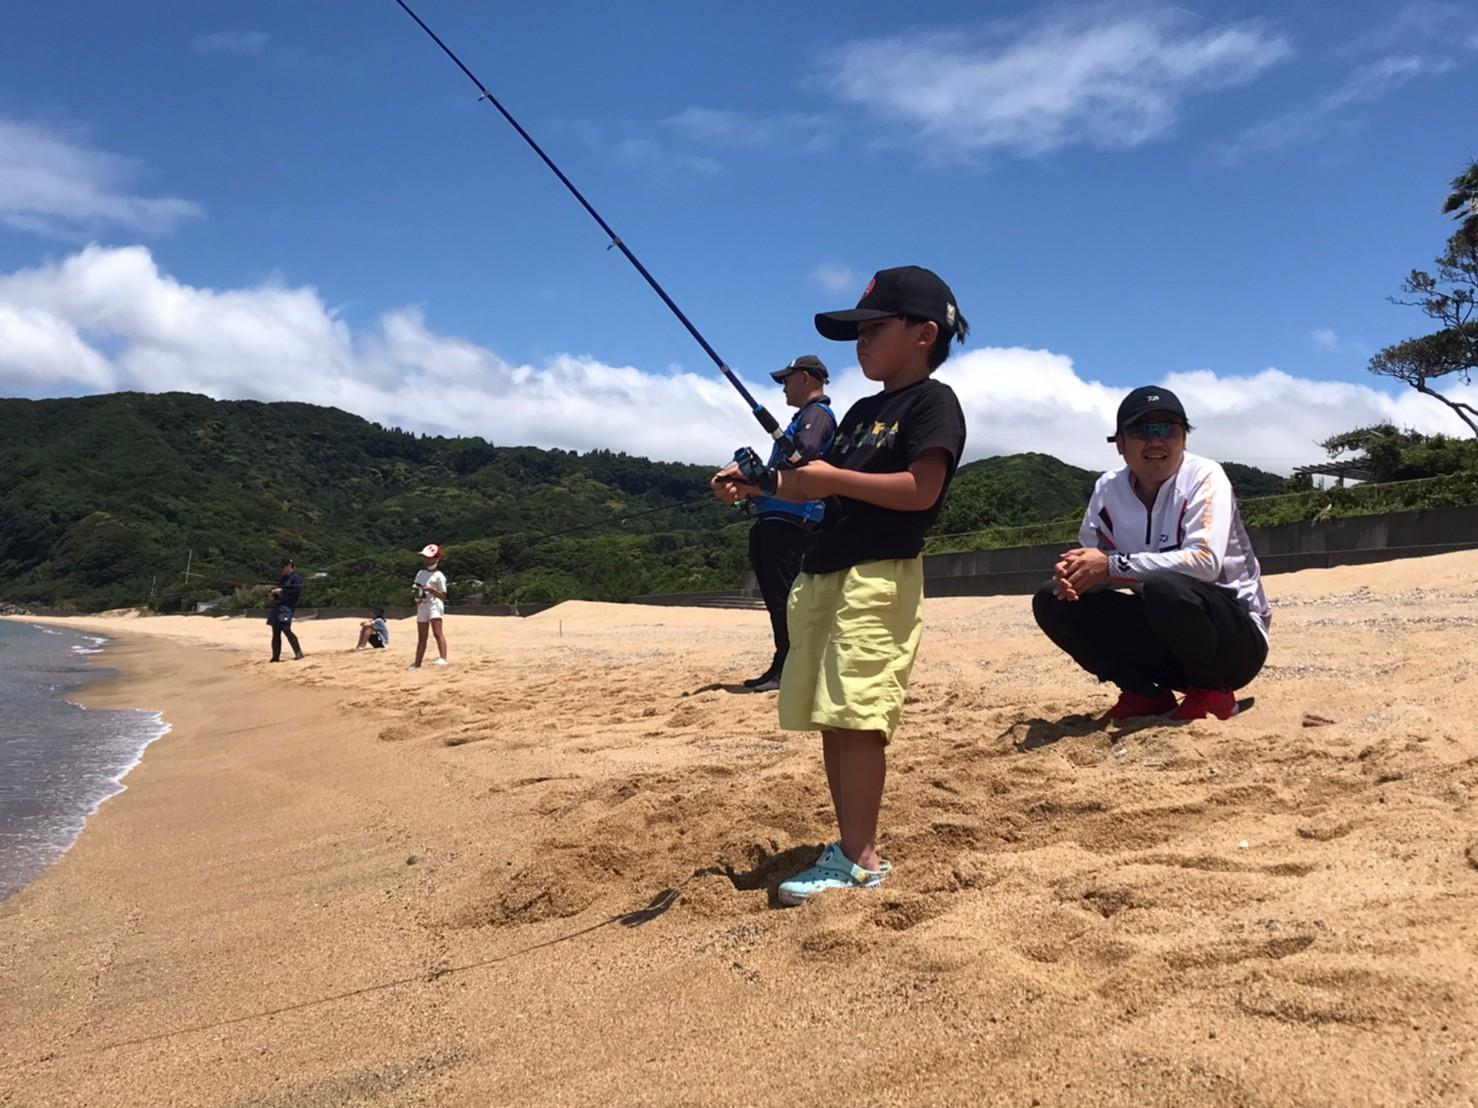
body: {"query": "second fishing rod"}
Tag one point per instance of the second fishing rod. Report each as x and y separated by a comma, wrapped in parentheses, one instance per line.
(772, 427)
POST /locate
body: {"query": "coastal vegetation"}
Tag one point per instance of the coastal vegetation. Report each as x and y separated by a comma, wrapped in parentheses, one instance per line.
(167, 501)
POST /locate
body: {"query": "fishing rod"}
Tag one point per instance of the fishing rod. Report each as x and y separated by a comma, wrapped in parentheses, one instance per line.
(766, 420)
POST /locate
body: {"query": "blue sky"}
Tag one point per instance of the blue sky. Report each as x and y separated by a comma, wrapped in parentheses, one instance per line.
(303, 201)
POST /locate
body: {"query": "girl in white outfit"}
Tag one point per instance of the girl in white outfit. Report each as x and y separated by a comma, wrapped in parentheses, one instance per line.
(430, 593)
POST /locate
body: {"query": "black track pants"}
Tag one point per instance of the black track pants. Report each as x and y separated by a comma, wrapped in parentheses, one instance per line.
(1179, 633)
(776, 549)
(279, 630)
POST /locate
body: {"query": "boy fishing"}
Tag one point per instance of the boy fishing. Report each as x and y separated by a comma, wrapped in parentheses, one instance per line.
(856, 612)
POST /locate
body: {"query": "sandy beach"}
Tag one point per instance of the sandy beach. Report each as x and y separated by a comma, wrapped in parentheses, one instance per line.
(545, 874)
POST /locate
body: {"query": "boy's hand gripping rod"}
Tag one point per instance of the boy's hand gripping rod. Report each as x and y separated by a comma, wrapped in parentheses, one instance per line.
(766, 420)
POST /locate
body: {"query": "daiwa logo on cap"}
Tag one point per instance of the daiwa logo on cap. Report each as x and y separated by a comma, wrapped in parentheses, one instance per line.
(870, 286)
(1153, 396)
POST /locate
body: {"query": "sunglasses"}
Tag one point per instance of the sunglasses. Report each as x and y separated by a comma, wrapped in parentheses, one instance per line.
(1147, 429)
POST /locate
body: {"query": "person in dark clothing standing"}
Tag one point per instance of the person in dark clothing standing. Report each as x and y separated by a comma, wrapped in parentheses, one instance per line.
(782, 529)
(280, 615)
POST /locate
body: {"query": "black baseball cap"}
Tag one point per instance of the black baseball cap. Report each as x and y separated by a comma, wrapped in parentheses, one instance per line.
(1144, 400)
(907, 290)
(807, 363)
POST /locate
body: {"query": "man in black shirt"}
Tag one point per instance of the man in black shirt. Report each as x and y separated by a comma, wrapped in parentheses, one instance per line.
(280, 614)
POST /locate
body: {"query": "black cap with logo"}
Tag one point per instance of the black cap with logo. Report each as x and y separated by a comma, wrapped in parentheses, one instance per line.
(907, 290)
(806, 363)
(1144, 400)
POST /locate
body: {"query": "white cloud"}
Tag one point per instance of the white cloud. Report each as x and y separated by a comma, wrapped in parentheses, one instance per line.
(55, 186)
(272, 342)
(231, 42)
(750, 130)
(1100, 79)
(1380, 78)
(106, 319)
(1325, 339)
(836, 279)
(1421, 40)
(1417, 23)
(649, 154)
(38, 349)
(1364, 84)
(1018, 400)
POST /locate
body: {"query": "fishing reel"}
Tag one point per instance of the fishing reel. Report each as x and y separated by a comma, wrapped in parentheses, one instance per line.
(754, 471)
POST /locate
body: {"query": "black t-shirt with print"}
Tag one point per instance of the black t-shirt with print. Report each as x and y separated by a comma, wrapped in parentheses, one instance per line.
(885, 434)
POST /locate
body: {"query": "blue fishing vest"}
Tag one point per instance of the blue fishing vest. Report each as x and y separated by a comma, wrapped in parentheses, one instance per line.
(809, 511)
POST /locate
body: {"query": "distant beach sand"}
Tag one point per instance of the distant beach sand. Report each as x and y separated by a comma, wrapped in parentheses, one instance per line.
(544, 875)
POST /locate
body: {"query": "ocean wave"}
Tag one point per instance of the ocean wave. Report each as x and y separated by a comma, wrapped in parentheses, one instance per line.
(59, 762)
(151, 731)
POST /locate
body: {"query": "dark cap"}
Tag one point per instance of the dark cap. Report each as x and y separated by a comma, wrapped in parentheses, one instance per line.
(1144, 400)
(807, 363)
(908, 290)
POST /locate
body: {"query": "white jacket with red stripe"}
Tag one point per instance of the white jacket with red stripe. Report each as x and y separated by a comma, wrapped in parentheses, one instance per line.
(1194, 528)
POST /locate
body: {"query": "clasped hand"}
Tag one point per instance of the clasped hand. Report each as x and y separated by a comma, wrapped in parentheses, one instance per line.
(1079, 570)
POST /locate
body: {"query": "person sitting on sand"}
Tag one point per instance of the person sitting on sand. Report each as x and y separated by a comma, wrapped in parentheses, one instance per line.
(430, 593)
(284, 604)
(1166, 527)
(374, 631)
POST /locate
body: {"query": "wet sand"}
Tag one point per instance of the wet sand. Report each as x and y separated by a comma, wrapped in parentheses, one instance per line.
(544, 875)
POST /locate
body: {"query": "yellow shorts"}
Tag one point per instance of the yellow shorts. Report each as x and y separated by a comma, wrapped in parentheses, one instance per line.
(853, 637)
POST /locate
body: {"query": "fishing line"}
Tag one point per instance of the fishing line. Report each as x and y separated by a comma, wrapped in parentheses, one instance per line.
(761, 414)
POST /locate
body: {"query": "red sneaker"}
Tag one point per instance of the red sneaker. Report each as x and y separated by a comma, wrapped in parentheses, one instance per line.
(1200, 703)
(1132, 705)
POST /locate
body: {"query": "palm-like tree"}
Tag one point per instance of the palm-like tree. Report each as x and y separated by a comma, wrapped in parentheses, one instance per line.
(1462, 203)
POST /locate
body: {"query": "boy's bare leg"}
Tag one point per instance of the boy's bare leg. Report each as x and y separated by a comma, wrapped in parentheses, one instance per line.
(364, 636)
(440, 638)
(862, 766)
(421, 630)
(831, 746)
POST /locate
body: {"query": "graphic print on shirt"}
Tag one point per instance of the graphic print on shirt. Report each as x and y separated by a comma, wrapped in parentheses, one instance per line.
(879, 435)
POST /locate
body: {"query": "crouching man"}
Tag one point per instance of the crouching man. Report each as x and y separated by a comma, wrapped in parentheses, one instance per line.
(1166, 528)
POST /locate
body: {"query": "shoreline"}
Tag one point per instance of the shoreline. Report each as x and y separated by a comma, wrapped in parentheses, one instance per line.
(143, 730)
(154, 857)
(543, 874)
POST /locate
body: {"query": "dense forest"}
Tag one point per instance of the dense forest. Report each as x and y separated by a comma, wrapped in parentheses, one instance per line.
(168, 500)
(107, 500)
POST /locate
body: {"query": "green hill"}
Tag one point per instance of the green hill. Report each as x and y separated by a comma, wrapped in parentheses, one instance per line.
(1250, 482)
(105, 500)
(1012, 491)
(105, 497)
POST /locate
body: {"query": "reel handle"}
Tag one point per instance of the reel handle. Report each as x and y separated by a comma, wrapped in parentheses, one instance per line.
(754, 471)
